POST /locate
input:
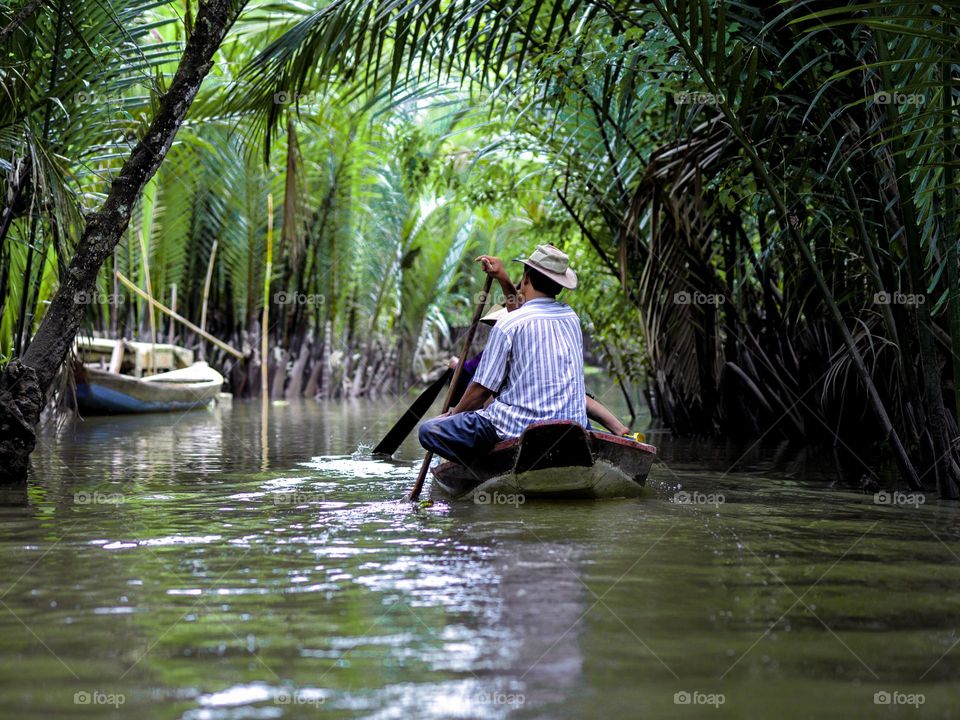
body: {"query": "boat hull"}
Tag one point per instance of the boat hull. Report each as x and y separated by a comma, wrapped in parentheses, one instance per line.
(104, 393)
(555, 459)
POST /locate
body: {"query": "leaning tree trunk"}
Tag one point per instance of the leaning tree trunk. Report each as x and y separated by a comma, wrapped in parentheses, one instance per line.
(25, 382)
(22, 15)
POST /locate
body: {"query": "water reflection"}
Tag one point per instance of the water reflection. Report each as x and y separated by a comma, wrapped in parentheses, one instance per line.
(159, 561)
(161, 444)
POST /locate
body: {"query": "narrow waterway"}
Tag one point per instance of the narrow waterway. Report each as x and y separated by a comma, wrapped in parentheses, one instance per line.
(203, 566)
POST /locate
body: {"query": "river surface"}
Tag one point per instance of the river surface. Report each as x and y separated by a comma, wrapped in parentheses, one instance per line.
(203, 566)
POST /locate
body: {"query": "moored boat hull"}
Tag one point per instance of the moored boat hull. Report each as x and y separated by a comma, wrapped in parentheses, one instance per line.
(104, 393)
(556, 459)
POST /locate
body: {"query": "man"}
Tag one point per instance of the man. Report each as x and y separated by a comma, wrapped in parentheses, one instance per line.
(595, 409)
(533, 363)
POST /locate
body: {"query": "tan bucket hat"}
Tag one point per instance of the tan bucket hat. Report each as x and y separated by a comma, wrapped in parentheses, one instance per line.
(497, 312)
(554, 263)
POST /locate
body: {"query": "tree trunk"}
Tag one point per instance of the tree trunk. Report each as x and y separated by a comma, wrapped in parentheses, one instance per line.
(295, 388)
(279, 379)
(25, 382)
(22, 15)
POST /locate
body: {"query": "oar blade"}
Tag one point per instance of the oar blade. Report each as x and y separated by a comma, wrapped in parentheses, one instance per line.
(398, 433)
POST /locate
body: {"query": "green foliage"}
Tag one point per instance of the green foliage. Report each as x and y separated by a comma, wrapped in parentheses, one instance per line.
(790, 162)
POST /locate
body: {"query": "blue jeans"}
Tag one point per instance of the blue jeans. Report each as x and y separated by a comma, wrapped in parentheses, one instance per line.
(463, 437)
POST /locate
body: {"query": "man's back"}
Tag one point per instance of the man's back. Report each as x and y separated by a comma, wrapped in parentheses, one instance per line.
(534, 361)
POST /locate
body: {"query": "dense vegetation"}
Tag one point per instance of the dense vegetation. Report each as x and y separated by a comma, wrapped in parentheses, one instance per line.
(761, 200)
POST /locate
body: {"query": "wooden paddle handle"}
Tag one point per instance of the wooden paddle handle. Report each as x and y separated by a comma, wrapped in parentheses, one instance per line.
(481, 303)
(471, 333)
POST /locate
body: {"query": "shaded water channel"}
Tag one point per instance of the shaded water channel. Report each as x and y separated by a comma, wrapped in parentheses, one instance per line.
(196, 567)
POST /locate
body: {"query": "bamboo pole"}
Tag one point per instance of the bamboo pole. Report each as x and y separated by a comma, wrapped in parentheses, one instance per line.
(115, 311)
(206, 292)
(206, 285)
(265, 323)
(145, 261)
(173, 307)
(179, 318)
(264, 336)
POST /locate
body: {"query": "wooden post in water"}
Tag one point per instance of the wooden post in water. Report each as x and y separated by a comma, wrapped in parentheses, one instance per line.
(206, 291)
(264, 336)
(145, 262)
(265, 321)
(173, 306)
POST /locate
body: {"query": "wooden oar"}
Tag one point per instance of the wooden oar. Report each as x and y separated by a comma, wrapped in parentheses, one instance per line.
(418, 485)
(398, 433)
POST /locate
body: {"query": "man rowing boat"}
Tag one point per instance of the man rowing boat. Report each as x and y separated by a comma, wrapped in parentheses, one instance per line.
(533, 364)
(595, 409)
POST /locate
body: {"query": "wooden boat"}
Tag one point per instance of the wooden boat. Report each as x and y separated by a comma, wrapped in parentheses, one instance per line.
(553, 459)
(120, 385)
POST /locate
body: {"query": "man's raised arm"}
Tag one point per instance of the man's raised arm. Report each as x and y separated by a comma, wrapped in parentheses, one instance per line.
(493, 266)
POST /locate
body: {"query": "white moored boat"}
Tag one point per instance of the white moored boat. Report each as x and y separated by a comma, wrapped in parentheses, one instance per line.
(114, 378)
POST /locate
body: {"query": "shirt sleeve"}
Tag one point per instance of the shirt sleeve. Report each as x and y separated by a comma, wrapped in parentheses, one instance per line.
(493, 365)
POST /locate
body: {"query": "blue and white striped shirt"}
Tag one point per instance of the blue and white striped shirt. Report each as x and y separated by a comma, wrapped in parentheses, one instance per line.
(534, 360)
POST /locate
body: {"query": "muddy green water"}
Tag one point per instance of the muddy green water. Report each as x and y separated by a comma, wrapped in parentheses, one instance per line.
(197, 567)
